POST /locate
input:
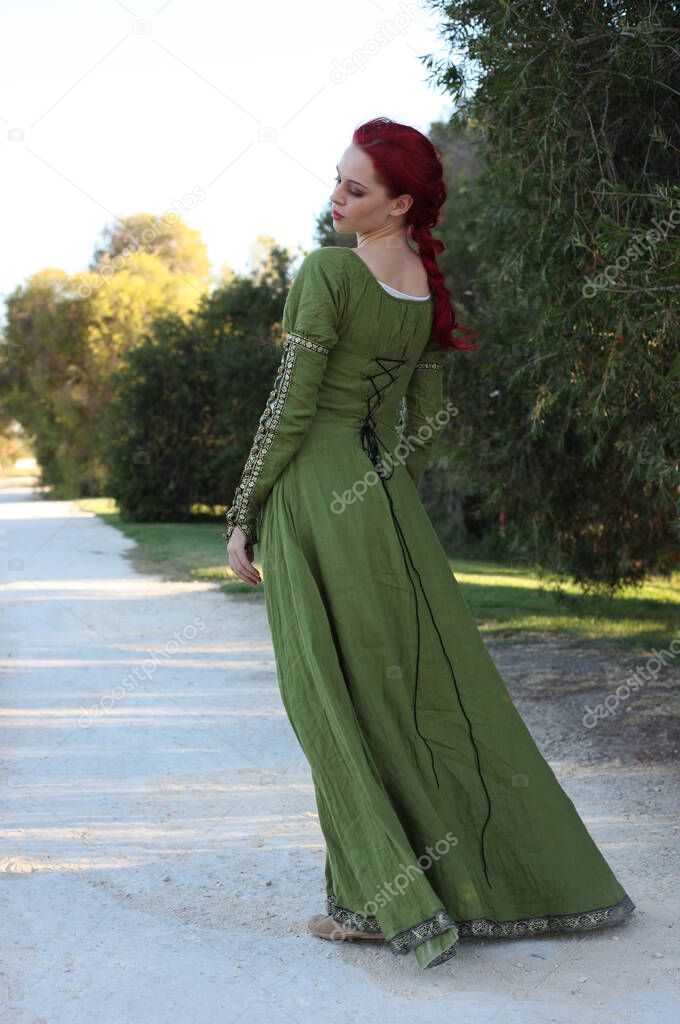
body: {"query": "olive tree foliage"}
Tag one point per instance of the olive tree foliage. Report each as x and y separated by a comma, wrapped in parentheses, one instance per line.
(566, 259)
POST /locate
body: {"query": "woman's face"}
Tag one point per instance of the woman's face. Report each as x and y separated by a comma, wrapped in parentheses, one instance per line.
(359, 200)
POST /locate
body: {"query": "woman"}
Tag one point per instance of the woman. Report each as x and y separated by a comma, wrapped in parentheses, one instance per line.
(440, 816)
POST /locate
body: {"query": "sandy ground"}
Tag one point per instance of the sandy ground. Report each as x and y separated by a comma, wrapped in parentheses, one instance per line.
(161, 852)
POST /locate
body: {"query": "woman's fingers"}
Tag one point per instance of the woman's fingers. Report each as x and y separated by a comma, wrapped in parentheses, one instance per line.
(239, 562)
(244, 569)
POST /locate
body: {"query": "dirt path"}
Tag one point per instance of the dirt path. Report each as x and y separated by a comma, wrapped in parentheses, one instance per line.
(161, 851)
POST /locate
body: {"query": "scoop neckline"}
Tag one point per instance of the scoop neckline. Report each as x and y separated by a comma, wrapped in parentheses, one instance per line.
(418, 300)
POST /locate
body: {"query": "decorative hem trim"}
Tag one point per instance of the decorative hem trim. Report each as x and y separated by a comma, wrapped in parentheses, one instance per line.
(585, 920)
(407, 940)
(350, 918)
(423, 364)
(482, 927)
(446, 954)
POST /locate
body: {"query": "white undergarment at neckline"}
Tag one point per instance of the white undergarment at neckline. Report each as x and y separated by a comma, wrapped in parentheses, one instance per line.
(403, 295)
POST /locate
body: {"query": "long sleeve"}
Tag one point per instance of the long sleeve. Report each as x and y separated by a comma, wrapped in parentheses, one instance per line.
(314, 307)
(423, 401)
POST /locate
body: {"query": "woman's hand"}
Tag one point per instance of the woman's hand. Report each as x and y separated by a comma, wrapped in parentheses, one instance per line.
(240, 557)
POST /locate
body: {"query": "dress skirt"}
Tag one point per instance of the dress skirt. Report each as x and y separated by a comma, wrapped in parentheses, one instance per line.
(441, 818)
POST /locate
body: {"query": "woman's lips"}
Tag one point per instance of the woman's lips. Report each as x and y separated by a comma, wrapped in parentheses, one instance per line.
(337, 216)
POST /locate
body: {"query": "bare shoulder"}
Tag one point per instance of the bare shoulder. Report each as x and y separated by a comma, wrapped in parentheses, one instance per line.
(416, 281)
(403, 269)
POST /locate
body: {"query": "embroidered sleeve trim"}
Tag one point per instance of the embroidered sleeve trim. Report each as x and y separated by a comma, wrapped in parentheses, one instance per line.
(424, 364)
(297, 339)
(240, 512)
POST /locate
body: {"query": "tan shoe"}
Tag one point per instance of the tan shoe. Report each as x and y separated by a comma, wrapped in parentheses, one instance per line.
(325, 927)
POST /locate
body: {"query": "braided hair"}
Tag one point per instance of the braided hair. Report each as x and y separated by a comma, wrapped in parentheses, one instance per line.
(407, 162)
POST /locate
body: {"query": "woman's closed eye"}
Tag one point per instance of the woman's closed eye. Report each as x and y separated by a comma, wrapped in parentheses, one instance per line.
(351, 192)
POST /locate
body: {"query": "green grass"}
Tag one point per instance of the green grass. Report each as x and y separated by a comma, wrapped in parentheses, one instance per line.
(508, 601)
(505, 601)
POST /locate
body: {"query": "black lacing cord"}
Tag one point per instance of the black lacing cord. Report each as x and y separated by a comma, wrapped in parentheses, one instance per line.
(371, 444)
(369, 439)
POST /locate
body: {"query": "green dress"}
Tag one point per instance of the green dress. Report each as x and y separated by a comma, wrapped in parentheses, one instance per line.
(440, 816)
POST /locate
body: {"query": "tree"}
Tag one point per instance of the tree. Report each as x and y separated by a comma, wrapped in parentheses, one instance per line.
(65, 336)
(168, 238)
(187, 401)
(569, 407)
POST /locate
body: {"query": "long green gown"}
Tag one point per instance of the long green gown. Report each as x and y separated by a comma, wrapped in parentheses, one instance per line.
(440, 816)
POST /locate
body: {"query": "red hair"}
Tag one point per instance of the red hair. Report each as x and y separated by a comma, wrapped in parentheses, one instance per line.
(406, 161)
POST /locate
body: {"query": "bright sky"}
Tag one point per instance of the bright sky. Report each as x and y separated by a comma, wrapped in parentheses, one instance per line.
(108, 108)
